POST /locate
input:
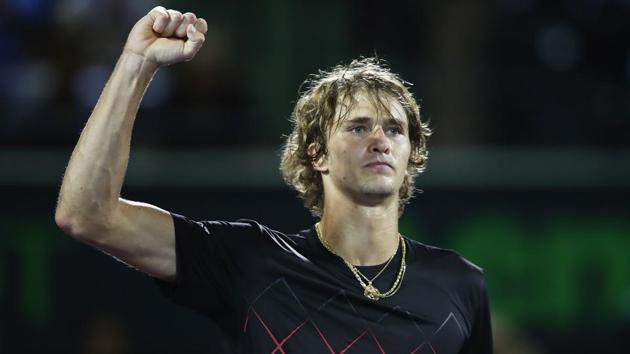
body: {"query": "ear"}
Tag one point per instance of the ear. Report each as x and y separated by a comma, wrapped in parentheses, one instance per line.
(319, 164)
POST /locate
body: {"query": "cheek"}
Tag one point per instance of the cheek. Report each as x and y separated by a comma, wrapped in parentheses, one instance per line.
(342, 158)
(340, 162)
(407, 149)
(340, 154)
(405, 154)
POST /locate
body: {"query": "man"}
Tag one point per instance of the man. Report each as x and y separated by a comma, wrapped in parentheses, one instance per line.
(351, 283)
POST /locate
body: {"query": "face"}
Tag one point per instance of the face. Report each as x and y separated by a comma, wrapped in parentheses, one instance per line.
(368, 151)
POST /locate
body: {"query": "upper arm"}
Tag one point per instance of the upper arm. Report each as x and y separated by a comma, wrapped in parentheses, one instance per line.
(140, 235)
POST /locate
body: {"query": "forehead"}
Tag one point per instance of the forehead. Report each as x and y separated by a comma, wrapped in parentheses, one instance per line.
(362, 104)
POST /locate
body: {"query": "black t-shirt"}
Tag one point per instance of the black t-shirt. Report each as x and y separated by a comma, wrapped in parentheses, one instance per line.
(272, 292)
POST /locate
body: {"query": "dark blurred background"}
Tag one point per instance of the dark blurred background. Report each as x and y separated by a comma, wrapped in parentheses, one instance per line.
(528, 177)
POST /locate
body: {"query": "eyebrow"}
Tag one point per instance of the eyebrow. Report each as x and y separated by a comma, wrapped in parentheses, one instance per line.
(363, 120)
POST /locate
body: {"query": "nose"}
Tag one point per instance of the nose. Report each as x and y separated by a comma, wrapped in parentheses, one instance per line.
(379, 142)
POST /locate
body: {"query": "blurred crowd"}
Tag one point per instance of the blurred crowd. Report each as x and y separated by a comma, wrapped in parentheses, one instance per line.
(510, 72)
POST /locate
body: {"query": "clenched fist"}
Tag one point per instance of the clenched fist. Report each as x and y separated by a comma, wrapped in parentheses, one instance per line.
(167, 36)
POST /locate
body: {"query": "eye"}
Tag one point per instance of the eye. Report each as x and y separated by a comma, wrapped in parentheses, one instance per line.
(395, 130)
(359, 129)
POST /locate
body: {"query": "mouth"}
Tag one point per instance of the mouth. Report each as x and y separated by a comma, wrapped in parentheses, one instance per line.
(379, 165)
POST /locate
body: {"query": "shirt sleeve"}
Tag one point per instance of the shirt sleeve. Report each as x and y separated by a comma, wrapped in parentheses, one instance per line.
(480, 341)
(207, 263)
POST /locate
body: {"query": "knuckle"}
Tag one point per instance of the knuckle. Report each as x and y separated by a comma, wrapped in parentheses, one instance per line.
(161, 15)
(176, 15)
(201, 25)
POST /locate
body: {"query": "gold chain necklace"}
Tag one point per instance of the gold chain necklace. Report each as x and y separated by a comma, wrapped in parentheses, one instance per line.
(369, 290)
(380, 272)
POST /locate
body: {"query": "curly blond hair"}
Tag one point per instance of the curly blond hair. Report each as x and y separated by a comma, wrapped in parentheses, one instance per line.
(314, 115)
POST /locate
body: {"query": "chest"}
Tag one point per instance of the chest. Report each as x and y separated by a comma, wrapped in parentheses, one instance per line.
(302, 307)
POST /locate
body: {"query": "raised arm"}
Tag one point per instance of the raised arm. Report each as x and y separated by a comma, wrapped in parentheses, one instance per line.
(89, 207)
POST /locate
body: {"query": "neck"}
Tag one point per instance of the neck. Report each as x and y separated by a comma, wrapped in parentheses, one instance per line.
(362, 235)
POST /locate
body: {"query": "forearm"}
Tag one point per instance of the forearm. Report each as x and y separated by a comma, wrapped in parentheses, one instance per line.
(94, 176)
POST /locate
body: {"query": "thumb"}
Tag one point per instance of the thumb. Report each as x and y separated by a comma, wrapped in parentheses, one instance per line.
(194, 42)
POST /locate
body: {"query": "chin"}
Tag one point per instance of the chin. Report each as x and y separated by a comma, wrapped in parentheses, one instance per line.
(378, 189)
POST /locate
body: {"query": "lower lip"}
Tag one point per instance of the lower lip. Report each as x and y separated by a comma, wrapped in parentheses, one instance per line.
(379, 167)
